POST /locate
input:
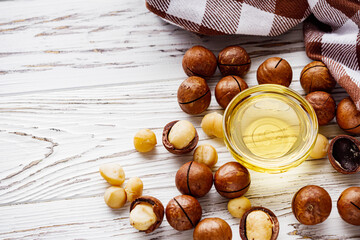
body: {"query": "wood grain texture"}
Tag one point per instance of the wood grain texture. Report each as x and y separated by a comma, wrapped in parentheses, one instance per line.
(78, 79)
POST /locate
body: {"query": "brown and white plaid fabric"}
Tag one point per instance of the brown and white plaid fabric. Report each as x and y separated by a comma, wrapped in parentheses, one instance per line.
(332, 32)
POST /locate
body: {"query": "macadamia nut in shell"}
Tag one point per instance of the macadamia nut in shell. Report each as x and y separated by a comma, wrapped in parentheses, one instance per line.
(212, 229)
(199, 61)
(194, 95)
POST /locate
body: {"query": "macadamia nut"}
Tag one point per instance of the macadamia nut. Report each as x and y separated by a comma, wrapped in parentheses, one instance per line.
(142, 217)
(181, 134)
(206, 154)
(133, 188)
(321, 147)
(258, 226)
(212, 124)
(113, 173)
(115, 197)
(144, 140)
(238, 206)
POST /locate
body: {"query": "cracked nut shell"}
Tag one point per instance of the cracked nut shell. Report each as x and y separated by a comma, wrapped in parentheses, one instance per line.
(170, 147)
(199, 61)
(344, 154)
(275, 70)
(232, 180)
(324, 106)
(212, 229)
(183, 212)
(157, 207)
(234, 60)
(194, 95)
(272, 217)
(194, 179)
(227, 88)
(348, 205)
(347, 116)
(316, 77)
(311, 205)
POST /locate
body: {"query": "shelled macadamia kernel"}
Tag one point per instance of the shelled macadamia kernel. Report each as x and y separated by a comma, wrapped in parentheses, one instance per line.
(113, 173)
(133, 188)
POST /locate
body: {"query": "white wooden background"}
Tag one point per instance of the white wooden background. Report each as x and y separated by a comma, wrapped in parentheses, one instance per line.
(78, 78)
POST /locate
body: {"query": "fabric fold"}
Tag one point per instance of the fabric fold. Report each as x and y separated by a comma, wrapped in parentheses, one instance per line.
(331, 33)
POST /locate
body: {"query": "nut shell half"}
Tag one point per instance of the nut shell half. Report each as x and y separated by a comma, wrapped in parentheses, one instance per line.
(276, 226)
(344, 154)
(170, 147)
(157, 207)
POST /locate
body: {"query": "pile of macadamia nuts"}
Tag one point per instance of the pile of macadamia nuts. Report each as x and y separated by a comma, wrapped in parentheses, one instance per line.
(310, 205)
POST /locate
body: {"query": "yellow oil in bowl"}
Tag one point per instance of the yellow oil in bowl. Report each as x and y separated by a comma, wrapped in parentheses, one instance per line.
(270, 128)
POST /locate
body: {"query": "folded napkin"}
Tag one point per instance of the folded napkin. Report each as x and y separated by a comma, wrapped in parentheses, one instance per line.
(331, 28)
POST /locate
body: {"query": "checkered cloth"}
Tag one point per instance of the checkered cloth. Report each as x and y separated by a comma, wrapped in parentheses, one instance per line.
(331, 33)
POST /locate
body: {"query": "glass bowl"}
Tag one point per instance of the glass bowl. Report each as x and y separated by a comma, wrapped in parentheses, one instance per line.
(270, 128)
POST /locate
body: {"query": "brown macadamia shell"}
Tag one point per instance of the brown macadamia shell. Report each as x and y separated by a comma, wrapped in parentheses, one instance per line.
(311, 205)
(194, 95)
(212, 229)
(157, 207)
(272, 216)
(275, 70)
(232, 180)
(227, 88)
(324, 106)
(347, 116)
(348, 205)
(194, 179)
(199, 61)
(344, 154)
(234, 60)
(316, 77)
(183, 212)
(170, 147)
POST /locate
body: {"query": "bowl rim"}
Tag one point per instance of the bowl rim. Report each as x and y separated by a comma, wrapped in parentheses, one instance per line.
(270, 88)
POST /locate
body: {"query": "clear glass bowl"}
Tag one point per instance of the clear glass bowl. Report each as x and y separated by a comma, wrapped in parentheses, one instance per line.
(270, 128)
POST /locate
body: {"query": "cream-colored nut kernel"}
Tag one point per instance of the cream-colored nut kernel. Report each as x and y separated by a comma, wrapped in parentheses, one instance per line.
(259, 226)
(181, 134)
(142, 217)
(206, 154)
(238, 206)
(212, 124)
(115, 197)
(133, 188)
(144, 140)
(321, 147)
(113, 173)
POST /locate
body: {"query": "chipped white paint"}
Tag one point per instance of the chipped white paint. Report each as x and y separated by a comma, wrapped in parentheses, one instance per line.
(78, 79)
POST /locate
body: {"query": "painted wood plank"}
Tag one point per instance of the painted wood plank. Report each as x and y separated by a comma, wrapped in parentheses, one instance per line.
(78, 79)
